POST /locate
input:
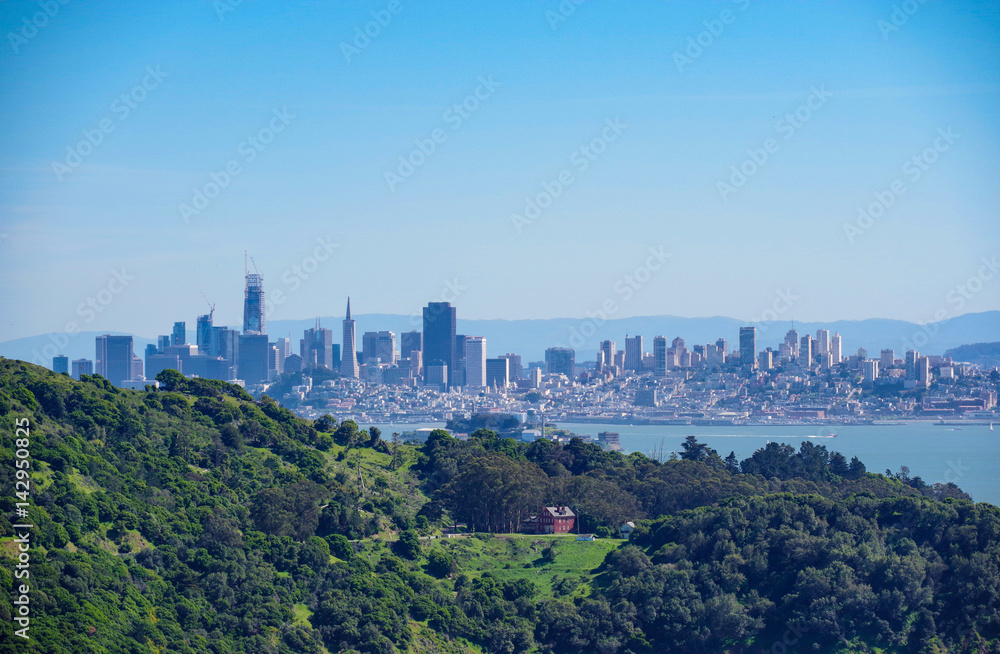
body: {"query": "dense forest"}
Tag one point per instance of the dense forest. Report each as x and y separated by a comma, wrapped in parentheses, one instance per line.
(194, 519)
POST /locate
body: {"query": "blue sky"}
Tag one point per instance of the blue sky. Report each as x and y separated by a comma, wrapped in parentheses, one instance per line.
(547, 87)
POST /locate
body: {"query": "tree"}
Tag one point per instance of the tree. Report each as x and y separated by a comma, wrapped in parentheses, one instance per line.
(408, 545)
(695, 451)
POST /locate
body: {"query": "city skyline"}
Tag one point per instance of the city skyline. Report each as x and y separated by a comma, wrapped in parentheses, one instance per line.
(657, 154)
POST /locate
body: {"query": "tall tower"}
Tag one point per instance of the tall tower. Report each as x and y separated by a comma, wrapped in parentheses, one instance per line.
(439, 335)
(748, 347)
(349, 351)
(659, 356)
(253, 303)
(475, 361)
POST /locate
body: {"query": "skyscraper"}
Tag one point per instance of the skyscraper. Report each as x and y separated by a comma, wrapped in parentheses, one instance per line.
(633, 353)
(806, 351)
(253, 305)
(82, 367)
(60, 364)
(498, 372)
(748, 347)
(203, 334)
(380, 346)
(608, 348)
(349, 349)
(792, 338)
(513, 365)
(252, 362)
(316, 347)
(887, 359)
(475, 361)
(410, 341)
(113, 358)
(180, 333)
(561, 360)
(439, 335)
(822, 341)
(836, 350)
(660, 356)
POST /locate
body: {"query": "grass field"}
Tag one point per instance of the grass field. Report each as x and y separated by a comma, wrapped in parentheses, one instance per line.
(517, 556)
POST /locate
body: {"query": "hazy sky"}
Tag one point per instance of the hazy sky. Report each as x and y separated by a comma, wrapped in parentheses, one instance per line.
(114, 115)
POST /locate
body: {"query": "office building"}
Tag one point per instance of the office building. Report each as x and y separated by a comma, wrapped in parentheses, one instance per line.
(748, 347)
(82, 367)
(349, 367)
(870, 367)
(608, 348)
(513, 365)
(316, 347)
(252, 362)
(923, 371)
(822, 341)
(439, 335)
(498, 372)
(436, 375)
(806, 351)
(475, 361)
(113, 358)
(633, 353)
(836, 352)
(254, 321)
(561, 360)
(887, 359)
(179, 336)
(203, 333)
(378, 347)
(409, 342)
(60, 364)
(660, 356)
(792, 338)
(645, 397)
(912, 356)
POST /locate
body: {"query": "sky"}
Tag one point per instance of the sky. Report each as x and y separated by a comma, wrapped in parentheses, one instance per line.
(525, 159)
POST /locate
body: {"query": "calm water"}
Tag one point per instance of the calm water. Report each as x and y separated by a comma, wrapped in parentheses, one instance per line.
(970, 457)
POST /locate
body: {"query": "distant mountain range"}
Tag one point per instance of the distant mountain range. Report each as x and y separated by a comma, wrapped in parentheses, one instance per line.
(530, 338)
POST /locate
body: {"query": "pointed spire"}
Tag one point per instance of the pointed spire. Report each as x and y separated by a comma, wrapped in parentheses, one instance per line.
(348, 308)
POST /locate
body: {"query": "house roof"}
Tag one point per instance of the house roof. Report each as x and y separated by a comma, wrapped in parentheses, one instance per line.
(559, 511)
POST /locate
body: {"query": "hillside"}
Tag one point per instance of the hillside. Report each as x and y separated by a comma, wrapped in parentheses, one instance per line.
(986, 355)
(193, 519)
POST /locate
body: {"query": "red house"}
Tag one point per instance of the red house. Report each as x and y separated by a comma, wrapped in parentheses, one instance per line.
(555, 520)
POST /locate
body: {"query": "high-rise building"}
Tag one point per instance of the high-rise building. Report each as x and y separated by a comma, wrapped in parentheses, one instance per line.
(911, 363)
(252, 362)
(792, 338)
(513, 366)
(316, 347)
(179, 334)
(283, 349)
(203, 334)
(870, 367)
(410, 341)
(633, 353)
(561, 360)
(748, 347)
(822, 341)
(254, 321)
(608, 348)
(60, 364)
(765, 360)
(475, 361)
(923, 371)
(82, 367)
(378, 346)
(806, 351)
(436, 375)
(836, 351)
(439, 335)
(887, 358)
(660, 356)
(113, 358)
(348, 354)
(498, 372)
(723, 347)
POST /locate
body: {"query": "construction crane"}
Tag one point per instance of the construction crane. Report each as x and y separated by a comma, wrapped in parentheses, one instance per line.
(211, 308)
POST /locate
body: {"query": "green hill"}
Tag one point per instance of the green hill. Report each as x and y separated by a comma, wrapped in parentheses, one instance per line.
(193, 519)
